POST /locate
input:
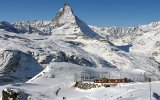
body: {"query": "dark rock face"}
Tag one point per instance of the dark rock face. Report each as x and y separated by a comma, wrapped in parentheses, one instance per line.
(47, 59)
(81, 61)
(62, 57)
(9, 94)
(8, 27)
(17, 66)
(13, 94)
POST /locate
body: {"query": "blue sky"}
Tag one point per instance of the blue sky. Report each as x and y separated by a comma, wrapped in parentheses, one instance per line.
(107, 13)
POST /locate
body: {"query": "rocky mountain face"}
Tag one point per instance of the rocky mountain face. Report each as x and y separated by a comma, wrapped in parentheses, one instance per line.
(14, 94)
(64, 16)
(66, 20)
(29, 47)
(17, 66)
(8, 27)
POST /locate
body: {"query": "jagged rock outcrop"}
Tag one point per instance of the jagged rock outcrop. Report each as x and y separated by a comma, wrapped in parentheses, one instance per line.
(81, 61)
(13, 94)
(62, 57)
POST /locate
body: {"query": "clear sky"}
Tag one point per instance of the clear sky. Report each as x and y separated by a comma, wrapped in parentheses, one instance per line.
(94, 12)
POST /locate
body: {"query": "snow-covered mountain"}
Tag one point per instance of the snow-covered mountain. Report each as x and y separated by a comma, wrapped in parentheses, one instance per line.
(65, 23)
(17, 66)
(149, 44)
(144, 38)
(125, 35)
(47, 54)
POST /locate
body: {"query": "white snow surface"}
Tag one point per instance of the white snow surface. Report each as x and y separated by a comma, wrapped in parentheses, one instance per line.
(149, 44)
(44, 86)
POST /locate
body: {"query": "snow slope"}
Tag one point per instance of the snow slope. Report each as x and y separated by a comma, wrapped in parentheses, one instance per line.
(51, 84)
(149, 44)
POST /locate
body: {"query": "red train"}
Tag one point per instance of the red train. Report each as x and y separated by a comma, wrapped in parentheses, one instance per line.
(105, 80)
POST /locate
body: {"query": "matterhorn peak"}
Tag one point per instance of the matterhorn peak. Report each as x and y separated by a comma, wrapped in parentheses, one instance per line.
(65, 15)
(67, 9)
(67, 23)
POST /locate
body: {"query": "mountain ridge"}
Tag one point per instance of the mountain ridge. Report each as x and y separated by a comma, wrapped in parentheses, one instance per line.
(77, 26)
